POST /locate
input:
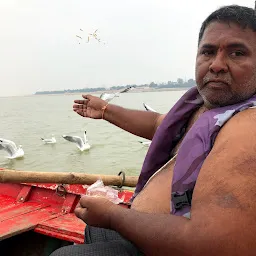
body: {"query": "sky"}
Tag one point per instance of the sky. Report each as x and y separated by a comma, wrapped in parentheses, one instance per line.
(142, 41)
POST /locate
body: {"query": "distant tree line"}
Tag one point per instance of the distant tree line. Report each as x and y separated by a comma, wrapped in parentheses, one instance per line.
(180, 83)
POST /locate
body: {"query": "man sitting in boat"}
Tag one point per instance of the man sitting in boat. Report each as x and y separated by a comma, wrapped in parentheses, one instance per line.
(204, 147)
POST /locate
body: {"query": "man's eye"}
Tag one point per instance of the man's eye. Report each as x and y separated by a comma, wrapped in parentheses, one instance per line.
(237, 54)
(207, 52)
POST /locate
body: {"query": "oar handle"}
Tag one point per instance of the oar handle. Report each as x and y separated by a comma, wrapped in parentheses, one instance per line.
(16, 176)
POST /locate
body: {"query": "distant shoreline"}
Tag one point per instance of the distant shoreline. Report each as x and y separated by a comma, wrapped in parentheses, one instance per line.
(136, 90)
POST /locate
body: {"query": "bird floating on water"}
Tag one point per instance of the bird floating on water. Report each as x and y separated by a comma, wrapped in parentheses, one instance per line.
(11, 148)
(52, 140)
(80, 143)
(145, 143)
(110, 96)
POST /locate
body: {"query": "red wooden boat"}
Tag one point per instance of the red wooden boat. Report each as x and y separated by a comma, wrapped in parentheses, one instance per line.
(36, 219)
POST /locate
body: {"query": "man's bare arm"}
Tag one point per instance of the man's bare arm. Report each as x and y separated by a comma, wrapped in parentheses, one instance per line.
(223, 207)
(140, 123)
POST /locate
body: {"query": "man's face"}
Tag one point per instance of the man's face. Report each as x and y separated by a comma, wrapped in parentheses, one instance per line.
(226, 64)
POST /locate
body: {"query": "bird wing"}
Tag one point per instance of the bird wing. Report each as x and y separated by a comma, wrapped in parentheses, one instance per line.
(148, 108)
(74, 139)
(126, 89)
(106, 96)
(4, 141)
(8, 146)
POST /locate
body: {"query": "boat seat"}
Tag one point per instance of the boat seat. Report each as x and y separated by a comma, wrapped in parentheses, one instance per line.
(17, 217)
(66, 227)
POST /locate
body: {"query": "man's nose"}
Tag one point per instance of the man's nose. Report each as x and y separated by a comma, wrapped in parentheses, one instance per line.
(219, 64)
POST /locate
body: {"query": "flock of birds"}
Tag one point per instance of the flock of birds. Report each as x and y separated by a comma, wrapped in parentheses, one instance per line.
(93, 35)
(82, 144)
(15, 152)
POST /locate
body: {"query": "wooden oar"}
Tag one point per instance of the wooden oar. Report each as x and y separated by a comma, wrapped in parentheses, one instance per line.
(15, 176)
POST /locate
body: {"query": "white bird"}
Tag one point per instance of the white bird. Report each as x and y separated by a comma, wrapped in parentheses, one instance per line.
(11, 148)
(148, 108)
(110, 96)
(80, 143)
(145, 143)
(52, 140)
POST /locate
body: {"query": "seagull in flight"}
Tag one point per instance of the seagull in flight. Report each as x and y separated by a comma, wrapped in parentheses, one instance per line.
(148, 108)
(110, 96)
(11, 148)
(82, 144)
(90, 35)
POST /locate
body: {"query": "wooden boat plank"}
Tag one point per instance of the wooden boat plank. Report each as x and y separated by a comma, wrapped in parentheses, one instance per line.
(63, 228)
(26, 222)
(6, 202)
(19, 209)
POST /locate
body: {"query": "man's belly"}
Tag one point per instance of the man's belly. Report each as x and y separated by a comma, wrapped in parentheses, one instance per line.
(156, 195)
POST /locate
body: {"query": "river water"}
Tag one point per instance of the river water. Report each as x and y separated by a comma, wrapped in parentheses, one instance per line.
(25, 120)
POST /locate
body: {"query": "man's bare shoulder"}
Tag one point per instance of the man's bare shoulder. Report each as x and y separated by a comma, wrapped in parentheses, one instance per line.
(235, 145)
(224, 195)
(242, 124)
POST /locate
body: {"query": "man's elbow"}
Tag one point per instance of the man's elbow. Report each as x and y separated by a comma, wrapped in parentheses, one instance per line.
(159, 119)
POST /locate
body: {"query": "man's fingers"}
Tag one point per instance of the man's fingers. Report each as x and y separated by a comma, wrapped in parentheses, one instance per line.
(76, 106)
(81, 213)
(79, 101)
(87, 96)
(82, 102)
(78, 205)
(85, 201)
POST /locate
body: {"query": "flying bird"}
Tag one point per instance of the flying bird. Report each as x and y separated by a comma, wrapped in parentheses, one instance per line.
(11, 148)
(80, 143)
(110, 96)
(79, 37)
(93, 35)
(148, 108)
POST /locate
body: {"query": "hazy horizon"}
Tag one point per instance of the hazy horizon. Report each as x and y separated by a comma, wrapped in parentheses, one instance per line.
(141, 42)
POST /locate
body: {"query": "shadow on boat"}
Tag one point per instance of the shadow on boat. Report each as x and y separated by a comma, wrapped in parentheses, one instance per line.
(30, 244)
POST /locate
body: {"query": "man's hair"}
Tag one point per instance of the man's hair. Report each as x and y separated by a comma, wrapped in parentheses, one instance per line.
(243, 16)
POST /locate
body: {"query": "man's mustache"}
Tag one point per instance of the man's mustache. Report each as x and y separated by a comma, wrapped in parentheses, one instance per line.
(224, 80)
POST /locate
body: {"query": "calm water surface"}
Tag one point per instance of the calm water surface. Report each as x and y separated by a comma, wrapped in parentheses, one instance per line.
(26, 119)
